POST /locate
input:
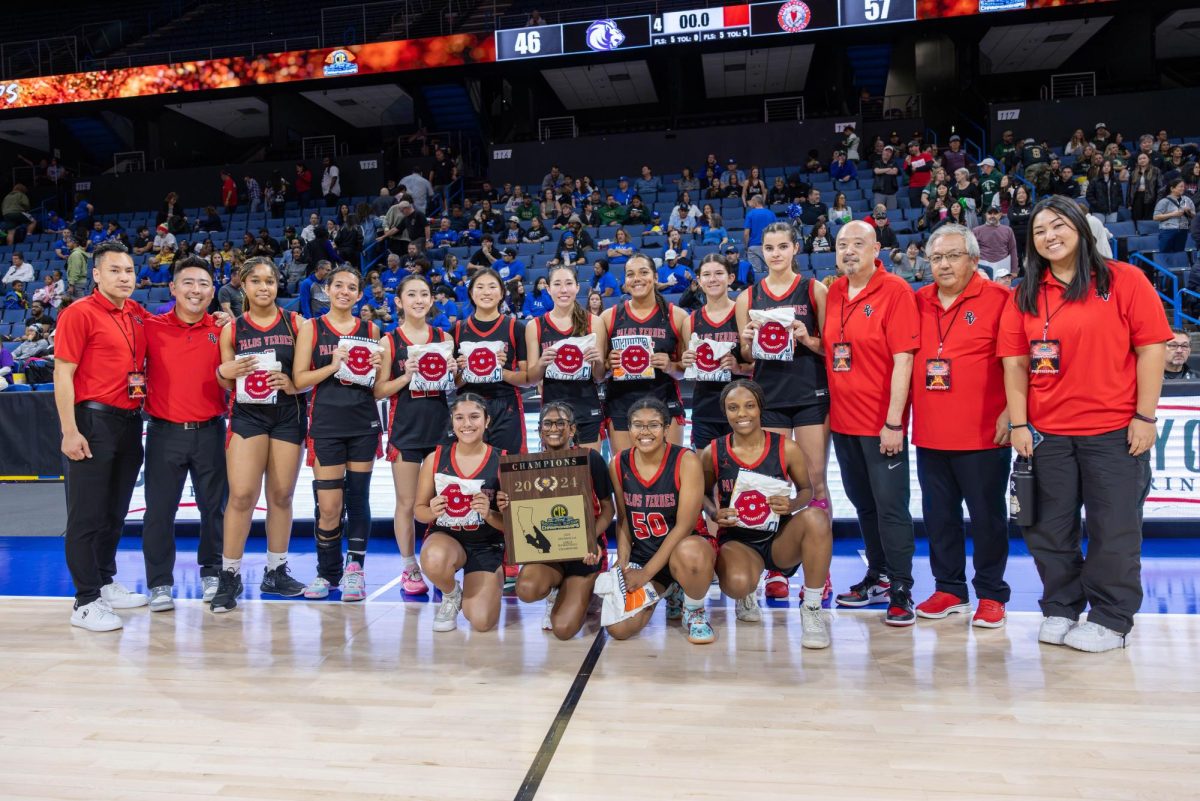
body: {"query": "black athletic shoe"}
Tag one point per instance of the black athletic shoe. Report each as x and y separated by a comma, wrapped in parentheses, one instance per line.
(229, 587)
(900, 608)
(280, 582)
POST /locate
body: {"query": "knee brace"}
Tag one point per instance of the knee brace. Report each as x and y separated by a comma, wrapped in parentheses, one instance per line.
(327, 484)
(358, 511)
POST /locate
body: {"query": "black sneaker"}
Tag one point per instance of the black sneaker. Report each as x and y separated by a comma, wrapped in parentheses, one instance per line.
(871, 590)
(900, 609)
(280, 582)
(229, 587)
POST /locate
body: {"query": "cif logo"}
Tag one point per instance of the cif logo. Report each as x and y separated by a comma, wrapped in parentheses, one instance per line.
(604, 35)
(340, 62)
(794, 16)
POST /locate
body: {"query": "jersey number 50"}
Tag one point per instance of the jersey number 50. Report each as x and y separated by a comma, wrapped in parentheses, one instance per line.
(648, 525)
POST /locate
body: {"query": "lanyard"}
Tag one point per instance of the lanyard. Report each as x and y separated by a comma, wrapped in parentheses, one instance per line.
(1046, 310)
(942, 336)
(846, 310)
(130, 339)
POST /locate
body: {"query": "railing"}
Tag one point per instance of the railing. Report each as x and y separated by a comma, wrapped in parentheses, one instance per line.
(1072, 84)
(315, 147)
(50, 56)
(602, 11)
(557, 128)
(129, 161)
(1180, 314)
(784, 109)
(981, 145)
(246, 49)
(1165, 279)
(393, 19)
(890, 107)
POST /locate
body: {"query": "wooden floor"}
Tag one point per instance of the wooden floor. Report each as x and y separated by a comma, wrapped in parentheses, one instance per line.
(295, 701)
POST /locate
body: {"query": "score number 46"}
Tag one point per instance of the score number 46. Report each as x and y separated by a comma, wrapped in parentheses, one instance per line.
(875, 10)
(528, 43)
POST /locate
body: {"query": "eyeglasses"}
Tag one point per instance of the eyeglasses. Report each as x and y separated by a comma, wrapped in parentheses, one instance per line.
(938, 258)
(1179, 346)
(648, 428)
(552, 424)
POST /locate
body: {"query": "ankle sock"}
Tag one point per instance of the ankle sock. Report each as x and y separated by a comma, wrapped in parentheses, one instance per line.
(231, 564)
(692, 603)
(812, 597)
(408, 562)
(275, 560)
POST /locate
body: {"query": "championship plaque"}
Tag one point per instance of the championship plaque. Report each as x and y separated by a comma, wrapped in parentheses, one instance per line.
(549, 515)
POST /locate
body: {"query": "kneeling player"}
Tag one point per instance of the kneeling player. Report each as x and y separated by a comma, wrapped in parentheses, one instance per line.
(659, 496)
(803, 534)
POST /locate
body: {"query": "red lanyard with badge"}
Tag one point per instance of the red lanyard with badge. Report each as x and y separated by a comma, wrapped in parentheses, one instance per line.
(135, 379)
(1045, 355)
(937, 370)
(841, 350)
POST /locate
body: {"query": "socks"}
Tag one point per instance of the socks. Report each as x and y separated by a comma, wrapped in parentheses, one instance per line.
(275, 560)
(356, 556)
(409, 562)
(692, 603)
(812, 597)
(231, 564)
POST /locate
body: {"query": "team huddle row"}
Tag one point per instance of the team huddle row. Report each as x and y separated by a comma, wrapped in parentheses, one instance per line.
(966, 356)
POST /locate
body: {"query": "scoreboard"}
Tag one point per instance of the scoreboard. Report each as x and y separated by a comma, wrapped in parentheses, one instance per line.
(698, 25)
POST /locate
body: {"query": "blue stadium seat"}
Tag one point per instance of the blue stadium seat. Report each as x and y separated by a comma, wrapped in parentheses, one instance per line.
(1120, 229)
(824, 261)
(1147, 227)
(1142, 244)
(1174, 261)
(43, 387)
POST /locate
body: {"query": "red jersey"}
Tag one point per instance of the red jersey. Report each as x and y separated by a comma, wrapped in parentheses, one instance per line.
(106, 344)
(957, 411)
(880, 321)
(181, 369)
(1095, 388)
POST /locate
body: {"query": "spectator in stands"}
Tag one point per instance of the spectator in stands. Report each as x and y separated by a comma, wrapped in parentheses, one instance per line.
(229, 192)
(910, 264)
(1144, 181)
(62, 247)
(612, 212)
(887, 178)
(842, 170)
(20, 270)
(525, 210)
(490, 221)
(48, 294)
(930, 191)
(211, 222)
(382, 202)
(77, 271)
(673, 277)
(405, 224)
(516, 297)
(814, 210)
(1179, 349)
(303, 183)
(309, 232)
(1066, 184)
(514, 234)
(1174, 214)
(637, 213)
(331, 181)
(143, 243)
(230, 297)
(595, 303)
(840, 212)
(997, 246)
(884, 233)
(14, 296)
(686, 182)
(731, 168)
(989, 182)
(314, 300)
(850, 143)
(676, 242)
(967, 194)
(779, 195)
(732, 187)
(715, 190)
(741, 269)
(819, 241)
(393, 274)
(918, 166)
(1191, 179)
(956, 158)
(419, 188)
(537, 232)
(757, 219)
(685, 214)
(320, 248)
(1075, 146)
(620, 249)
(253, 193)
(1005, 154)
(486, 256)
(445, 236)
(275, 195)
(349, 241)
(648, 182)
(1036, 163)
(552, 179)
(754, 186)
(712, 228)
(39, 316)
(33, 345)
(1104, 196)
(568, 253)
(16, 216)
(154, 275)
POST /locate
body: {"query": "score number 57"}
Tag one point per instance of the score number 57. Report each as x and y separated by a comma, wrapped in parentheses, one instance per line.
(876, 10)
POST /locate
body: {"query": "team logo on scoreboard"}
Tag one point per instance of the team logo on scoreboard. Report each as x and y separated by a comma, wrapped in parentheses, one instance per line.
(794, 16)
(604, 35)
(340, 62)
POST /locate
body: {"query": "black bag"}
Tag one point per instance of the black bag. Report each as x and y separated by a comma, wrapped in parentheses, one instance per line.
(39, 371)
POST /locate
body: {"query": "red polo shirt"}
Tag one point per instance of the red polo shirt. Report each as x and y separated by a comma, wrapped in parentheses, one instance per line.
(1095, 390)
(106, 344)
(880, 321)
(962, 418)
(181, 371)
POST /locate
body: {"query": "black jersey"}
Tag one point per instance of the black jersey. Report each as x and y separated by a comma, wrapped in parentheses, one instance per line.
(772, 462)
(506, 329)
(340, 410)
(279, 336)
(582, 396)
(418, 419)
(802, 381)
(489, 473)
(706, 395)
(651, 504)
(660, 327)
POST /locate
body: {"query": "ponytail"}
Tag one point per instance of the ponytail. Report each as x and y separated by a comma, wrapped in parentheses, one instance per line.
(581, 318)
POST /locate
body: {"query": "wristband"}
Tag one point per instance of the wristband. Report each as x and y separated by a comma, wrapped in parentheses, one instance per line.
(891, 427)
(819, 503)
(219, 376)
(1144, 418)
(1011, 426)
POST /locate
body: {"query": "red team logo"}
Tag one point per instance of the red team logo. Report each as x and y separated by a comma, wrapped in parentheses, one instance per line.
(482, 361)
(457, 504)
(773, 337)
(569, 359)
(705, 362)
(257, 385)
(752, 508)
(635, 359)
(432, 366)
(794, 16)
(359, 360)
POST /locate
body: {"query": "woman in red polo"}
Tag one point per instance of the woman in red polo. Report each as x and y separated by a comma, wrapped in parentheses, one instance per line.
(1083, 344)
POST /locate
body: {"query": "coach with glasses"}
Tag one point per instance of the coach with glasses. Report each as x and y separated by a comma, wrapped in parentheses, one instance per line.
(1083, 349)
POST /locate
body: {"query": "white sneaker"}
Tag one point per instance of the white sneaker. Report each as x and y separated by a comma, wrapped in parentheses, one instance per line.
(1054, 630)
(317, 588)
(120, 598)
(210, 585)
(96, 616)
(160, 599)
(547, 623)
(747, 609)
(815, 632)
(1093, 638)
(446, 618)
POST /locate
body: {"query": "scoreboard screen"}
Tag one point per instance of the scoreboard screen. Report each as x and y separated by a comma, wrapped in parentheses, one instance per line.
(597, 36)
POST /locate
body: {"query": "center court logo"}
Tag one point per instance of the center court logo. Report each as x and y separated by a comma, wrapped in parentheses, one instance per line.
(340, 62)
(604, 35)
(794, 16)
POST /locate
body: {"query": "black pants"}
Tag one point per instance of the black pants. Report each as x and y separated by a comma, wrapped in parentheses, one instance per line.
(981, 479)
(914, 196)
(1097, 473)
(171, 455)
(877, 485)
(98, 492)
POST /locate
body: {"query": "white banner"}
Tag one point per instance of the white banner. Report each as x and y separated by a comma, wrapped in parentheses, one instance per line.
(1174, 493)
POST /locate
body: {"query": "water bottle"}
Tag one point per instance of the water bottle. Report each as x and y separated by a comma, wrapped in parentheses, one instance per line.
(1022, 493)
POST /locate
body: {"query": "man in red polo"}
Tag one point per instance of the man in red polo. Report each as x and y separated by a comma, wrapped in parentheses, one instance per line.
(871, 332)
(960, 428)
(186, 431)
(99, 384)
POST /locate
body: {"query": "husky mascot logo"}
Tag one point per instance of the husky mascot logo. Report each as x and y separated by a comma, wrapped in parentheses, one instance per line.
(604, 35)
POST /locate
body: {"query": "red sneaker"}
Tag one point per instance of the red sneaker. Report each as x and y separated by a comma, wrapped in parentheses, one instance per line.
(777, 585)
(825, 593)
(510, 577)
(940, 605)
(989, 614)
